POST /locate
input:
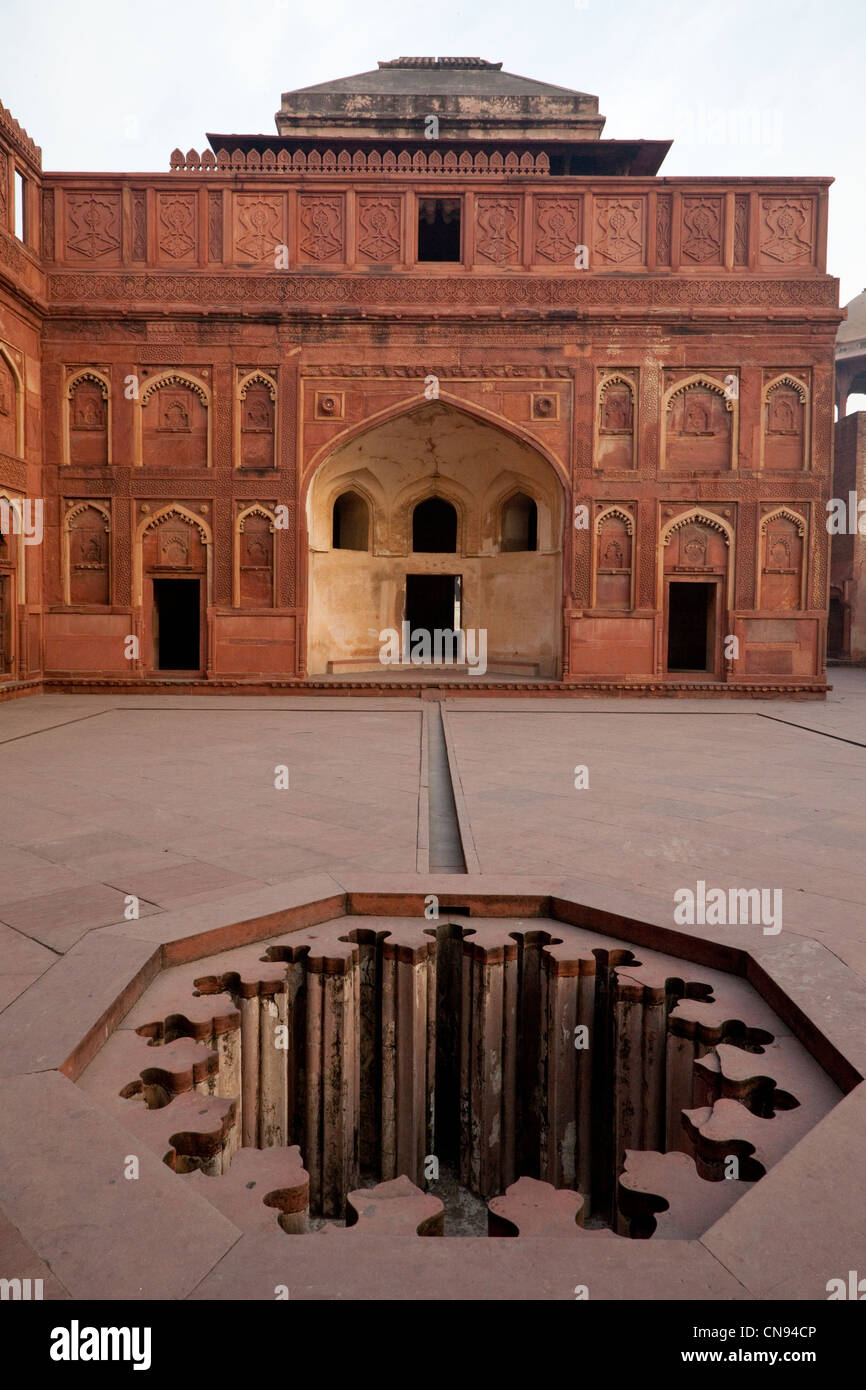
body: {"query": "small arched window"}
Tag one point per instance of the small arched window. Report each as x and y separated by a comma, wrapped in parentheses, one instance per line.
(351, 523)
(434, 527)
(519, 523)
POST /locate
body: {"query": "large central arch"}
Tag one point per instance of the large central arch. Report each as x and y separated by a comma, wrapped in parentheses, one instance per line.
(364, 579)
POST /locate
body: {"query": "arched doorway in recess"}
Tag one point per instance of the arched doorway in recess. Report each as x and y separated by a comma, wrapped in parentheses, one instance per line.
(438, 518)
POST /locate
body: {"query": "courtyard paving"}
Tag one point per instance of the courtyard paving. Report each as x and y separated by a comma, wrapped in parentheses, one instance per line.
(173, 802)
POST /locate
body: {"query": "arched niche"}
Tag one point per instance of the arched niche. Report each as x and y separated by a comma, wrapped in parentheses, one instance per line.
(613, 577)
(87, 554)
(615, 422)
(434, 527)
(173, 422)
(518, 524)
(785, 425)
(782, 568)
(87, 418)
(255, 444)
(350, 522)
(699, 426)
(255, 570)
(11, 405)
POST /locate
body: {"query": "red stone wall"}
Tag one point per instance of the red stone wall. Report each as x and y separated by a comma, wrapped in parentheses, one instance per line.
(201, 340)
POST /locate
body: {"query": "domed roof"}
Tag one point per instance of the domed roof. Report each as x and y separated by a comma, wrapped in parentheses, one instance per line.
(853, 330)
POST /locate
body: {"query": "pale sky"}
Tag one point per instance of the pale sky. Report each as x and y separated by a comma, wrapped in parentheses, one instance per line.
(743, 87)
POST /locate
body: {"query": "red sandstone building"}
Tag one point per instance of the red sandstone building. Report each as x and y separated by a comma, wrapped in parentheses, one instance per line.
(436, 352)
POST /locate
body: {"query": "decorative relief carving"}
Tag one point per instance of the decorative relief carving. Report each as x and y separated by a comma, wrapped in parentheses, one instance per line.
(379, 228)
(619, 230)
(139, 226)
(330, 405)
(93, 225)
(557, 229)
(741, 229)
(87, 548)
(785, 424)
(544, 406)
(8, 409)
(259, 226)
(47, 222)
(177, 225)
(497, 234)
(782, 553)
(615, 422)
(664, 215)
(257, 400)
(215, 226)
(322, 223)
(702, 234)
(452, 291)
(613, 559)
(4, 197)
(255, 546)
(787, 224)
(698, 427)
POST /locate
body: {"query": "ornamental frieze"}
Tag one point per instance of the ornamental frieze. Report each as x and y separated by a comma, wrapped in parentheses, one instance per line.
(454, 292)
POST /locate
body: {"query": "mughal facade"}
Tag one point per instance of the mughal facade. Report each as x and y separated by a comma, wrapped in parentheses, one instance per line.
(435, 353)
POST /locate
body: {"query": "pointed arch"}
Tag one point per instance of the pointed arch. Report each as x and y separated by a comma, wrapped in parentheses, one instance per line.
(99, 379)
(408, 405)
(614, 443)
(253, 509)
(704, 517)
(252, 447)
(619, 584)
(703, 381)
(148, 523)
(88, 505)
(173, 377)
(773, 444)
(7, 357)
(781, 585)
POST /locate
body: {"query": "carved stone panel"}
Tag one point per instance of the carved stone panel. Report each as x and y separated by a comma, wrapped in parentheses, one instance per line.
(89, 557)
(257, 426)
(620, 227)
(696, 547)
(177, 227)
(93, 227)
(784, 426)
(497, 230)
(322, 229)
(615, 422)
(787, 232)
(741, 229)
(699, 429)
(782, 553)
(557, 230)
(139, 226)
(259, 226)
(613, 561)
(701, 234)
(664, 218)
(215, 226)
(88, 422)
(256, 561)
(174, 427)
(378, 236)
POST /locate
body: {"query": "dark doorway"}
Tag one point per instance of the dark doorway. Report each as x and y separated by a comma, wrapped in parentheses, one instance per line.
(835, 629)
(439, 229)
(433, 601)
(176, 625)
(690, 626)
(434, 527)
